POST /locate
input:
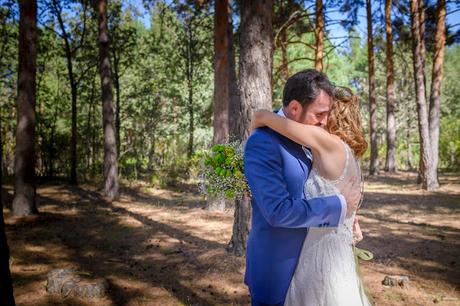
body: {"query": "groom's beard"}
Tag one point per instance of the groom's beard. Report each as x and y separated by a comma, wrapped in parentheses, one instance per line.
(303, 116)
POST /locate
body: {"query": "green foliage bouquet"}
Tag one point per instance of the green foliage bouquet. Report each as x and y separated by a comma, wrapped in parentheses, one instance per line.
(223, 171)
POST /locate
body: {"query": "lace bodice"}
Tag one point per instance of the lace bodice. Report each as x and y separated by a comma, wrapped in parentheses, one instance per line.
(317, 185)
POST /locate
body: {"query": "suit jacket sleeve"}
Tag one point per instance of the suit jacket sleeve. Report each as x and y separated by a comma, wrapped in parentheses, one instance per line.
(263, 170)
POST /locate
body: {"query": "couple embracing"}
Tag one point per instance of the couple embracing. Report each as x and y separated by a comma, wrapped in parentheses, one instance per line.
(302, 167)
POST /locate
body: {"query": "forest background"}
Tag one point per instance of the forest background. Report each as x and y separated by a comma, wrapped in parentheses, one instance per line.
(179, 76)
(162, 62)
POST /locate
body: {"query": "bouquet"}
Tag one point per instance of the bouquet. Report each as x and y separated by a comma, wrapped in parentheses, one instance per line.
(223, 171)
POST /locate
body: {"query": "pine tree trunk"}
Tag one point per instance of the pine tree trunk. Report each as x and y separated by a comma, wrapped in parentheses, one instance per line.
(93, 144)
(374, 161)
(235, 107)
(73, 92)
(52, 146)
(110, 145)
(221, 71)
(88, 128)
(421, 9)
(421, 14)
(73, 144)
(117, 108)
(24, 162)
(390, 163)
(426, 161)
(436, 79)
(241, 226)
(89, 124)
(319, 35)
(152, 152)
(191, 120)
(190, 62)
(235, 133)
(6, 286)
(256, 54)
(221, 84)
(409, 157)
(409, 146)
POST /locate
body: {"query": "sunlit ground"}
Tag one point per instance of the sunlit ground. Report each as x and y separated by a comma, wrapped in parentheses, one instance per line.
(160, 247)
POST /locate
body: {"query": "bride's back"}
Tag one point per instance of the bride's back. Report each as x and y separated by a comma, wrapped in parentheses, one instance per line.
(318, 185)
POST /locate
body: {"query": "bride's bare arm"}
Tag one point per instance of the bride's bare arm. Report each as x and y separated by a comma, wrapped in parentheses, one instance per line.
(310, 136)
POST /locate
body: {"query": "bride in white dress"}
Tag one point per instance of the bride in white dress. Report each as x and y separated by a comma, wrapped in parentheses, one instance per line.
(326, 273)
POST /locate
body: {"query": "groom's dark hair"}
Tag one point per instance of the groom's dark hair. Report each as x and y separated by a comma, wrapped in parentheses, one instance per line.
(305, 86)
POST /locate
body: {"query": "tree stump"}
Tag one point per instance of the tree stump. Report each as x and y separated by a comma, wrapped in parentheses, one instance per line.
(69, 282)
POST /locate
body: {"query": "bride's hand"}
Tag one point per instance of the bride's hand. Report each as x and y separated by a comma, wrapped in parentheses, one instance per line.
(357, 233)
(258, 119)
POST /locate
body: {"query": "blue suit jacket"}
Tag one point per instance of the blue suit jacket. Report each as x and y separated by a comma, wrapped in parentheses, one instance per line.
(276, 169)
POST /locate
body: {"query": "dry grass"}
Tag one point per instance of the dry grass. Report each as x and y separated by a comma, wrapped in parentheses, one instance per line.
(160, 247)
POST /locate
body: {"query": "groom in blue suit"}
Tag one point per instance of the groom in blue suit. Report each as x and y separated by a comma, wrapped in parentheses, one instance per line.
(276, 169)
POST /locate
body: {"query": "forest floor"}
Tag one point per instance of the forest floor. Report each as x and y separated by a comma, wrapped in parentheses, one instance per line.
(160, 247)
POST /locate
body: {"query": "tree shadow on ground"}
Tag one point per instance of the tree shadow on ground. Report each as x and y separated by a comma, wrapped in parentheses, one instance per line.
(176, 200)
(98, 241)
(79, 228)
(409, 178)
(410, 231)
(412, 204)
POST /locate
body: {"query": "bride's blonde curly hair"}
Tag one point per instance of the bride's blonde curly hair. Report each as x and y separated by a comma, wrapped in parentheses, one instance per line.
(345, 120)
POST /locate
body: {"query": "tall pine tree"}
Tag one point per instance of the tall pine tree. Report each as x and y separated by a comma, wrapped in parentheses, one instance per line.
(24, 162)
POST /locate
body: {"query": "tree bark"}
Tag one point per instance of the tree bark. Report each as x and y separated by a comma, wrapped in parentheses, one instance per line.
(374, 160)
(221, 84)
(52, 147)
(110, 145)
(421, 9)
(221, 71)
(390, 163)
(6, 286)
(436, 80)
(319, 35)
(93, 143)
(409, 146)
(256, 55)
(117, 95)
(24, 162)
(429, 181)
(241, 226)
(73, 145)
(90, 130)
(235, 107)
(190, 62)
(421, 32)
(191, 119)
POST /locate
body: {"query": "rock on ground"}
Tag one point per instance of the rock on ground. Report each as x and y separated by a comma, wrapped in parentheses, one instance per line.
(67, 282)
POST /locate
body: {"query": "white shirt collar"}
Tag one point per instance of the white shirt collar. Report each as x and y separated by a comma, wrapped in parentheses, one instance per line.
(281, 113)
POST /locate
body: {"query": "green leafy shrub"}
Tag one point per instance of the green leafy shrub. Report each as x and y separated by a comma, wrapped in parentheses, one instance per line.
(223, 171)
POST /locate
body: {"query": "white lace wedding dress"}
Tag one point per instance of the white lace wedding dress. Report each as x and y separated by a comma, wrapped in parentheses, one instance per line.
(326, 273)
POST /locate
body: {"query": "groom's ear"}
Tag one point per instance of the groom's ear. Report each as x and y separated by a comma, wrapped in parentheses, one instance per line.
(295, 109)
